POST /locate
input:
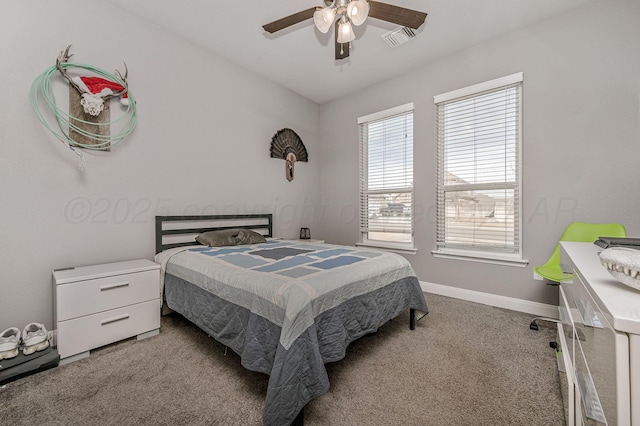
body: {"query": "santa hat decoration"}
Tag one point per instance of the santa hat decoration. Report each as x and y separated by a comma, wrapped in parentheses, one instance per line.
(101, 87)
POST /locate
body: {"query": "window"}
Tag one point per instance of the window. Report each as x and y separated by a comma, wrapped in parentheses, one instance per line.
(386, 178)
(478, 135)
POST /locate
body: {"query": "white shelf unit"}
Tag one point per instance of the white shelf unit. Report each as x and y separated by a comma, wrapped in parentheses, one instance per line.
(600, 340)
(101, 304)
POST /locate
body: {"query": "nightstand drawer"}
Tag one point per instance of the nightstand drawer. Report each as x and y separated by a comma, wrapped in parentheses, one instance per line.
(91, 331)
(82, 298)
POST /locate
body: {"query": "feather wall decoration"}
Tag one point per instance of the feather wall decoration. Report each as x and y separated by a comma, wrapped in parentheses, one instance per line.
(287, 145)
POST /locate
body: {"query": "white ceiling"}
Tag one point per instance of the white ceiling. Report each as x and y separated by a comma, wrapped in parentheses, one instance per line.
(302, 59)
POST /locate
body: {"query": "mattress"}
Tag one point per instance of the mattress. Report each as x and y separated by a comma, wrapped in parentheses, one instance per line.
(289, 307)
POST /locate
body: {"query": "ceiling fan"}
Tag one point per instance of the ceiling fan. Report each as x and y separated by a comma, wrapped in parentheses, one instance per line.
(346, 13)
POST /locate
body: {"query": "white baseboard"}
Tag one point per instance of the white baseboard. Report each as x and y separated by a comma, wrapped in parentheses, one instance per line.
(534, 308)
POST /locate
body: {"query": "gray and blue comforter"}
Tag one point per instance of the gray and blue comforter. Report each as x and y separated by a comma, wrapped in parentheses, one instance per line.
(287, 308)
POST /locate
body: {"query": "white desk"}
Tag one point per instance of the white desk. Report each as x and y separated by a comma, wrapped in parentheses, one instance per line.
(600, 339)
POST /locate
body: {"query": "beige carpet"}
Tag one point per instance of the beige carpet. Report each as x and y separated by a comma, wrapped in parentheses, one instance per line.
(465, 364)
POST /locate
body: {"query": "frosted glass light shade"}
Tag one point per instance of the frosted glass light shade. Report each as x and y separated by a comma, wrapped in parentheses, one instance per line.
(323, 18)
(358, 10)
(345, 32)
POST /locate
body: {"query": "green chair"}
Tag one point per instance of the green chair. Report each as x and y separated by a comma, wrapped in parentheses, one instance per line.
(577, 231)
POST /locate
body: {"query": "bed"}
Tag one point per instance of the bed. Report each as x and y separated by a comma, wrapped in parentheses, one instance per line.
(286, 307)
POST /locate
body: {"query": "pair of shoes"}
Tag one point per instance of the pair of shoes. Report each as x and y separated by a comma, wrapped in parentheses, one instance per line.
(33, 338)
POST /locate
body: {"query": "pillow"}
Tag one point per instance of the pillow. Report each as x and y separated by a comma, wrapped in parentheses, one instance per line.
(220, 238)
(247, 236)
(229, 237)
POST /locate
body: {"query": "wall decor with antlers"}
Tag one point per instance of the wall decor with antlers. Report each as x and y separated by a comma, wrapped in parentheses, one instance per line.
(88, 124)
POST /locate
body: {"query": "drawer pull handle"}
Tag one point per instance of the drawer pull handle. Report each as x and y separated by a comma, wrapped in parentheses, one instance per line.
(588, 314)
(112, 286)
(116, 319)
(590, 401)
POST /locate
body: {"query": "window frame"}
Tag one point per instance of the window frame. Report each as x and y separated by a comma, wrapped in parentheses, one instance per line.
(390, 113)
(469, 252)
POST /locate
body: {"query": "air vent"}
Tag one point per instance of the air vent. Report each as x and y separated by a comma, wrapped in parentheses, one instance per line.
(399, 36)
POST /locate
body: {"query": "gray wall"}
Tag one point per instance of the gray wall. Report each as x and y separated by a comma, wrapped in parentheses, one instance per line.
(581, 132)
(201, 146)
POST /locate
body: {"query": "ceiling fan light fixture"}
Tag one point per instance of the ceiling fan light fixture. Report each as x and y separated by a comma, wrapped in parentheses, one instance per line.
(344, 14)
(345, 31)
(358, 10)
(323, 18)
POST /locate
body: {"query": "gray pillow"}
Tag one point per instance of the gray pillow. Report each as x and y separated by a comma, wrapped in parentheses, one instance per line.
(247, 236)
(229, 237)
(220, 238)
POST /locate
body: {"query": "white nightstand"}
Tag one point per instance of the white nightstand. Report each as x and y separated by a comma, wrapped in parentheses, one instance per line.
(101, 304)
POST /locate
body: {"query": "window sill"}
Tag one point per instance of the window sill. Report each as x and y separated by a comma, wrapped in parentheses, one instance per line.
(482, 257)
(389, 247)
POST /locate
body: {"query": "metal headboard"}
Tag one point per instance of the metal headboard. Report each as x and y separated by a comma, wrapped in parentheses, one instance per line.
(180, 227)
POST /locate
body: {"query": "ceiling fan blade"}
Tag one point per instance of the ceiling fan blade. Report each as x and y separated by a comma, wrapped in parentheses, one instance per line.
(290, 20)
(396, 14)
(342, 49)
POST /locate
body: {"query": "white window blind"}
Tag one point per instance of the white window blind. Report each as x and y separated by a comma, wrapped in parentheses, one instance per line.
(386, 178)
(478, 132)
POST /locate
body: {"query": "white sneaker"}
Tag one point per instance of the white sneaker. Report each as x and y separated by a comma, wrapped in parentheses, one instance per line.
(9, 343)
(35, 338)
